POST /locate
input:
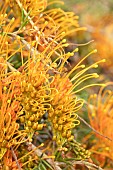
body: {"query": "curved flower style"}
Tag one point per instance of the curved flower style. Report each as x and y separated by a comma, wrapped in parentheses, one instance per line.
(101, 117)
(6, 25)
(9, 45)
(9, 113)
(62, 113)
(48, 89)
(64, 103)
(32, 7)
(48, 27)
(51, 27)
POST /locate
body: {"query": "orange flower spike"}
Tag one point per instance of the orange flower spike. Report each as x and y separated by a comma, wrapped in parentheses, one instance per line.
(64, 105)
(103, 37)
(9, 109)
(100, 115)
(61, 114)
(34, 97)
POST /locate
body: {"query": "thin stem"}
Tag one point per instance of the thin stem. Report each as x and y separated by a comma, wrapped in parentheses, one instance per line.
(39, 153)
(93, 128)
(15, 158)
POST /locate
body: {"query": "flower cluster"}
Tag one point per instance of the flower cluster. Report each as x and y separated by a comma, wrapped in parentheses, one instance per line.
(101, 116)
(38, 93)
(31, 6)
(34, 98)
(62, 113)
(9, 127)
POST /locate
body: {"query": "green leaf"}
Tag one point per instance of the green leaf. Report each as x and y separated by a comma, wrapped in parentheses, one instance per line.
(25, 19)
(35, 168)
(41, 166)
(47, 164)
(23, 15)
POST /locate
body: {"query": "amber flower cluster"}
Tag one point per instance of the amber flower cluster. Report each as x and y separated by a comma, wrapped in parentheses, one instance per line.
(38, 93)
(101, 116)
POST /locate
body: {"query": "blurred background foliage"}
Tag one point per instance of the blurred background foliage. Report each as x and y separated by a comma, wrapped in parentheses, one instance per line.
(97, 17)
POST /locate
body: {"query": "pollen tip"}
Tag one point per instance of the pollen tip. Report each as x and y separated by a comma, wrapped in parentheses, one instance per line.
(104, 60)
(95, 51)
(5, 15)
(63, 33)
(77, 49)
(13, 19)
(83, 66)
(96, 65)
(64, 40)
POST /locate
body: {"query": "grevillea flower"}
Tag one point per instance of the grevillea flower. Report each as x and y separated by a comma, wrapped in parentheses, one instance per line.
(31, 6)
(74, 148)
(101, 117)
(46, 87)
(9, 45)
(5, 27)
(9, 162)
(9, 113)
(62, 113)
(41, 91)
(51, 27)
(64, 103)
(34, 97)
(107, 45)
(101, 32)
(48, 27)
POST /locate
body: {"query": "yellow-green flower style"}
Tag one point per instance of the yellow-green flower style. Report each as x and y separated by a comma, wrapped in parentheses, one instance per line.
(76, 149)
